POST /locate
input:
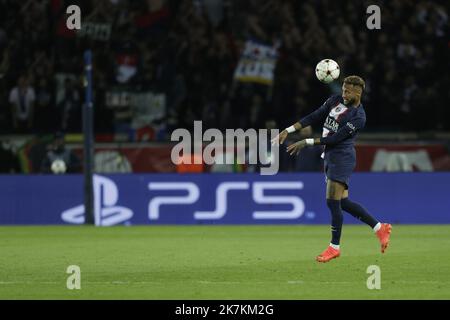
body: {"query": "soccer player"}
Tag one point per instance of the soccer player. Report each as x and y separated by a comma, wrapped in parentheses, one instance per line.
(342, 117)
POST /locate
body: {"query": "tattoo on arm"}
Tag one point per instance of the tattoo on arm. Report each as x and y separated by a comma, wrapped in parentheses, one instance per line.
(298, 126)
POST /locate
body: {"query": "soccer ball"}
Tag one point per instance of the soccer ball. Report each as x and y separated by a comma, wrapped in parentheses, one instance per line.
(327, 70)
(58, 166)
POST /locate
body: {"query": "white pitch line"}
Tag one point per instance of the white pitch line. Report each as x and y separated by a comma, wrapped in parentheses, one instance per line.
(225, 282)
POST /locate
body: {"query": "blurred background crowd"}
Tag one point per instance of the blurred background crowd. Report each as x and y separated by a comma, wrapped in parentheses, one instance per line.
(183, 55)
(188, 50)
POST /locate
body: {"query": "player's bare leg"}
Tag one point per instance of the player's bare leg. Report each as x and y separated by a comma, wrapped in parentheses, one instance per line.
(382, 230)
(335, 191)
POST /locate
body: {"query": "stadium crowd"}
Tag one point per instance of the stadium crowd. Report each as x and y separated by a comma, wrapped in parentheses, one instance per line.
(188, 51)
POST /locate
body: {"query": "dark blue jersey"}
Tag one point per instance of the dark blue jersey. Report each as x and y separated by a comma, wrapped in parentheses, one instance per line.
(340, 126)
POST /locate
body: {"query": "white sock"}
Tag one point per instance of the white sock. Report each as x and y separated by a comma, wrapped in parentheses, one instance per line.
(334, 246)
(377, 227)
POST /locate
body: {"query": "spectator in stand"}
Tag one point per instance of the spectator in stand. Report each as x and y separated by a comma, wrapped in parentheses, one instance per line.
(22, 99)
(69, 105)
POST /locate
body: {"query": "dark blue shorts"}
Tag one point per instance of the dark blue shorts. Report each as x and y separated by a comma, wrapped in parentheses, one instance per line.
(338, 172)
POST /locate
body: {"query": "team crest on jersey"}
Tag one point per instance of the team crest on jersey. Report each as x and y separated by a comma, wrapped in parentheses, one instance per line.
(337, 111)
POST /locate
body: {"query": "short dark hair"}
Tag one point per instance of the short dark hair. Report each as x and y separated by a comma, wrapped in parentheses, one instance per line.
(356, 81)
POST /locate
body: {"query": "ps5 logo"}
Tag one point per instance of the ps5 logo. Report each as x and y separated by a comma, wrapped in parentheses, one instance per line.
(107, 213)
(223, 190)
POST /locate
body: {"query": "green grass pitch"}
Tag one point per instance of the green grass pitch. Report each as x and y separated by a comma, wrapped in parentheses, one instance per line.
(221, 262)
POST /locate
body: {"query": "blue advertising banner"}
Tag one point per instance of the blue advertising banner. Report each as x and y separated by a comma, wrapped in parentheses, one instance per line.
(128, 199)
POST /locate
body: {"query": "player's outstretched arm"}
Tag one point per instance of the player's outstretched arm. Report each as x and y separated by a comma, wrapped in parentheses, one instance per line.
(295, 148)
(344, 132)
(312, 118)
(279, 139)
(350, 128)
(319, 115)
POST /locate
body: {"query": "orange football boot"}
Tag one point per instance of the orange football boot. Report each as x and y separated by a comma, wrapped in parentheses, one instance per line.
(328, 254)
(383, 235)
